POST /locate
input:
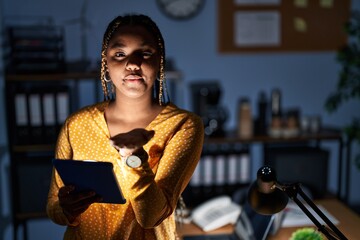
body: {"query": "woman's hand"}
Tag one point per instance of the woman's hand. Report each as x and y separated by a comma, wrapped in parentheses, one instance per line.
(74, 204)
(130, 142)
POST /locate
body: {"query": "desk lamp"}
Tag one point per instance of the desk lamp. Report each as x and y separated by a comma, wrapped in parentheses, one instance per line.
(267, 196)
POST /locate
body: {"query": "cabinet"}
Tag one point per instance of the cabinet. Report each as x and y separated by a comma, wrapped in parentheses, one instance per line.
(199, 192)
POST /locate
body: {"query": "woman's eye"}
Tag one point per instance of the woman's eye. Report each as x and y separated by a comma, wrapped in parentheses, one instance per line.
(119, 54)
(147, 54)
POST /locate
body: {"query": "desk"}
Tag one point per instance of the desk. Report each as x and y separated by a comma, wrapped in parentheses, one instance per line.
(349, 223)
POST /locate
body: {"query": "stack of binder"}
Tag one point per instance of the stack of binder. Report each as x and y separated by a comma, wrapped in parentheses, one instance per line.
(37, 113)
(222, 169)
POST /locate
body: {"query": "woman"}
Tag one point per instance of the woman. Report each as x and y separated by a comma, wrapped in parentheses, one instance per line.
(133, 123)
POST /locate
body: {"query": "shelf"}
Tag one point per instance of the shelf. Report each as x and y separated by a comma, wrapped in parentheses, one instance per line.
(324, 134)
(33, 148)
(52, 76)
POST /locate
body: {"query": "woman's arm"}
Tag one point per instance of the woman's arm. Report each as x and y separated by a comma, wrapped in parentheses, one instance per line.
(154, 197)
(62, 151)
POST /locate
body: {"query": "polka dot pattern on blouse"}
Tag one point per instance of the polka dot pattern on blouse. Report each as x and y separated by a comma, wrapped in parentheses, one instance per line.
(151, 191)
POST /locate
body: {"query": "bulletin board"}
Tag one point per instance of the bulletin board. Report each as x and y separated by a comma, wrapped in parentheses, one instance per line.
(281, 25)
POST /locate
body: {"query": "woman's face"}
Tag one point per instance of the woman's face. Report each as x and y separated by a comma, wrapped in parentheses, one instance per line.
(133, 61)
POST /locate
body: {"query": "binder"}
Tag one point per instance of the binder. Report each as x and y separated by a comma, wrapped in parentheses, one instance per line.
(22, 131)
(49, 124)
(232, 169)
(62, 107)
(195, 180)
(35, 110)
(208, 170)
(244, 159)
(220, 169)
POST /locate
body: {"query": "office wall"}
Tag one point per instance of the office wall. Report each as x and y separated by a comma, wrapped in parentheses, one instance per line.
(306, 78)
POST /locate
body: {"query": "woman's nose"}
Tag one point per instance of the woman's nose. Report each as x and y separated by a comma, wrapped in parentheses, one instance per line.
(133, 63)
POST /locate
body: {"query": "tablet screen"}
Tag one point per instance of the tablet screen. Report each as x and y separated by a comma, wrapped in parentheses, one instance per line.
(91, 176)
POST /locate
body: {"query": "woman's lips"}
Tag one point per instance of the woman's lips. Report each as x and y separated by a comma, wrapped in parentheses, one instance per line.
(133, 78)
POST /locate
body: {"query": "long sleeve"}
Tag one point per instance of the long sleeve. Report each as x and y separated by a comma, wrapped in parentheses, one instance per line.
(151, 191)
(154, 196)
(63, 151)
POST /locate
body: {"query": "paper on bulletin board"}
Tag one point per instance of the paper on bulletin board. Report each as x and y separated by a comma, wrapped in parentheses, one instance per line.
(301, 3)
(257, 28)
(257, 2)
(327, 3)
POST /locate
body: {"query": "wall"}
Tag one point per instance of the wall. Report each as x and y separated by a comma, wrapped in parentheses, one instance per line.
(306, 79)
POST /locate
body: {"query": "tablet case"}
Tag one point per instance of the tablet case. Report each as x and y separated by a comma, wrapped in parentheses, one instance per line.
(91, 176)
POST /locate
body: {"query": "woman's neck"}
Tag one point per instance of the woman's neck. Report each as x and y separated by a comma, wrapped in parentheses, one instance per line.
(123, 116)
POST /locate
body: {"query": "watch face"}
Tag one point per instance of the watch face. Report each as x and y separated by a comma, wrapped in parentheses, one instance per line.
(180, 9)
(133, 161)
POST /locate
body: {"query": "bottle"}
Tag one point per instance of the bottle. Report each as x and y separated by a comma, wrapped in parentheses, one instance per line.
(261, 127)
(245, 124)
(275, 103)
(276, 120)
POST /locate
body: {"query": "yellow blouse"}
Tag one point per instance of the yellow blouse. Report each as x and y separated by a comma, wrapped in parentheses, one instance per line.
(151, 191)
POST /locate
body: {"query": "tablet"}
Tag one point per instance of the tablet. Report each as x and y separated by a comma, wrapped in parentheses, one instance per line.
(91, 176)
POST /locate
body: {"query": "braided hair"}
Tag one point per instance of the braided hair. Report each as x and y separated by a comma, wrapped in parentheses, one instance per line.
(150, 25)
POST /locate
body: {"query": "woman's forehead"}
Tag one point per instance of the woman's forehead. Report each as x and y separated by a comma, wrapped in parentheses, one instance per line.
(134, 32)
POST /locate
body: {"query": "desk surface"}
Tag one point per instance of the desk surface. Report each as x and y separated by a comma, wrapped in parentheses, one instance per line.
(349, 223)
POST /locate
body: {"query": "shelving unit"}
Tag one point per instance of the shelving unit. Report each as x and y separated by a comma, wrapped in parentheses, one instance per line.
(30, 49)
(198, 193)
(36, 105)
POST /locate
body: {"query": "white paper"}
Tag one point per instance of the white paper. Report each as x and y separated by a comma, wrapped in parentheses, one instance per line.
(295, 217)
(257, 2)
(257, 28)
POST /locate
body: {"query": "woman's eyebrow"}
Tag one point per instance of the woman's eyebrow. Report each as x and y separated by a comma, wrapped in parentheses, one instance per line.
(121, 45)
(116, 45)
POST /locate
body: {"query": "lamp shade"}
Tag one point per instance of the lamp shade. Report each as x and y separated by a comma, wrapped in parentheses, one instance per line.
(263, 196)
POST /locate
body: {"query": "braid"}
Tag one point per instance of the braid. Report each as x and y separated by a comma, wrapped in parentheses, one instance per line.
(151, 26)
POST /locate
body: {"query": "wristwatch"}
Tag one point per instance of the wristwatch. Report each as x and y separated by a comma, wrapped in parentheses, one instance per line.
(133, 161)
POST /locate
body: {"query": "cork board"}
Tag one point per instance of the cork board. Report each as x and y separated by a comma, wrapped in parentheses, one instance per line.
(281, 25)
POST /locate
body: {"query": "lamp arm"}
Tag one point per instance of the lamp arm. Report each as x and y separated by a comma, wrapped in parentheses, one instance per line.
(292, 191)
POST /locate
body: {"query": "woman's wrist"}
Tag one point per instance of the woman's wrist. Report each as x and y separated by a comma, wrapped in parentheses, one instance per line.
(140, 152)
(71, 219)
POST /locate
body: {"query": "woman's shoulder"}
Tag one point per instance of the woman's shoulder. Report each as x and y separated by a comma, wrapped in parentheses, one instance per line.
(89, 111)
(173, 111)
